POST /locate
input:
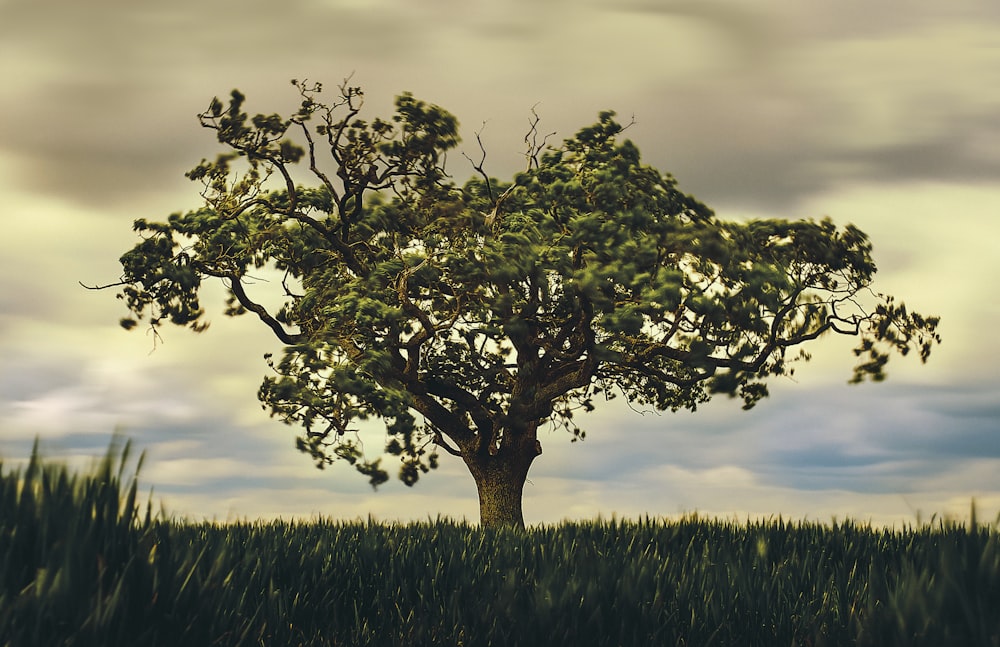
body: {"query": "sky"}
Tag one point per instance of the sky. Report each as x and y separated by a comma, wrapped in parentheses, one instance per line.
(877, 114)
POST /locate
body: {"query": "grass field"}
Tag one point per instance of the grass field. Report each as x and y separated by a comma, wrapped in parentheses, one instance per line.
(84, 562)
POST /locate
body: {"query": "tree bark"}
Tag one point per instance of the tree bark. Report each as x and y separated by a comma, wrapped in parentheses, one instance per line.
(500, 480)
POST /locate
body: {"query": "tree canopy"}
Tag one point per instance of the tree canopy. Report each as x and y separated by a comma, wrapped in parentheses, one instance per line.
(466, 316)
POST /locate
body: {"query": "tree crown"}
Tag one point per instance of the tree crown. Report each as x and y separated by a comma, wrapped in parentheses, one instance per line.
(465, 316)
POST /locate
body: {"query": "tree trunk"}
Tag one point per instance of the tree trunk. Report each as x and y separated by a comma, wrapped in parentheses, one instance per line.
(500, 481)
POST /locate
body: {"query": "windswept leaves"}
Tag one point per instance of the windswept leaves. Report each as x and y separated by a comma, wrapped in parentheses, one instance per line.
(466, 316)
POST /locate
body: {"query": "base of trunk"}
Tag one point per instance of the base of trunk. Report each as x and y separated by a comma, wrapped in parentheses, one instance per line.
(500, 497)
(500, 480)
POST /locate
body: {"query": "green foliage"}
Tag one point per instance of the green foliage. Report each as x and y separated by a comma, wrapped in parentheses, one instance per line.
(79, 566)
(466, 316)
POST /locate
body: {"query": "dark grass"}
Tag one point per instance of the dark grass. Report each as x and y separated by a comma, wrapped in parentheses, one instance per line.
(83, 563)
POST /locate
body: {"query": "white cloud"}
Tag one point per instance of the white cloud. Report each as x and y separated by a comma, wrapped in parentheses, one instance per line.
(193, 471)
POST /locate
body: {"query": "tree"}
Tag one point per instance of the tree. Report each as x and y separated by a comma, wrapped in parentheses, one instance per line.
(467, 317)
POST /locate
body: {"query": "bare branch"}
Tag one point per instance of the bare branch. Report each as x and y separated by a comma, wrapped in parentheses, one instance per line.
(102, 287)
(479, 167)
(315, 169)
(531, 140)
(631, 123)
(262, 313)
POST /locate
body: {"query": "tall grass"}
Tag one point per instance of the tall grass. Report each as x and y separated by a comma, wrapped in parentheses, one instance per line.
(82, 565)
(68, 545)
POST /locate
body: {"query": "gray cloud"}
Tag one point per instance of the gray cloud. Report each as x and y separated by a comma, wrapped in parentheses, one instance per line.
(101, 99)
(876, 439)
(883, 439)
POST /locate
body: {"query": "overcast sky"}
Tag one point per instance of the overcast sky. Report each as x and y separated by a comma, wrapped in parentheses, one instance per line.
(874, 113)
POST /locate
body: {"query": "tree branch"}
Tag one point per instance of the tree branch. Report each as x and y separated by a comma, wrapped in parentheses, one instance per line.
(262, 313)
(439, 441)
(481, 416)
(102, 287)
(531, 140)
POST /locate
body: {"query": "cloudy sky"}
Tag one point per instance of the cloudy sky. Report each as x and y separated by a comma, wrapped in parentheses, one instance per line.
(879, 114)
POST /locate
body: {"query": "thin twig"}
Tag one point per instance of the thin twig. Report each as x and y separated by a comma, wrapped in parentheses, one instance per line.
(102, 287)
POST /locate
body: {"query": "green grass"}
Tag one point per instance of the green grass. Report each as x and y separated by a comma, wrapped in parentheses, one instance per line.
(83, 564)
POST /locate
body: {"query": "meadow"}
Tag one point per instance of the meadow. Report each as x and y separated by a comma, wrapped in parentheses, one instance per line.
(83, 561)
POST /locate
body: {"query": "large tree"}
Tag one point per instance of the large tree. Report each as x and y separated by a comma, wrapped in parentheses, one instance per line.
(468, 316)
